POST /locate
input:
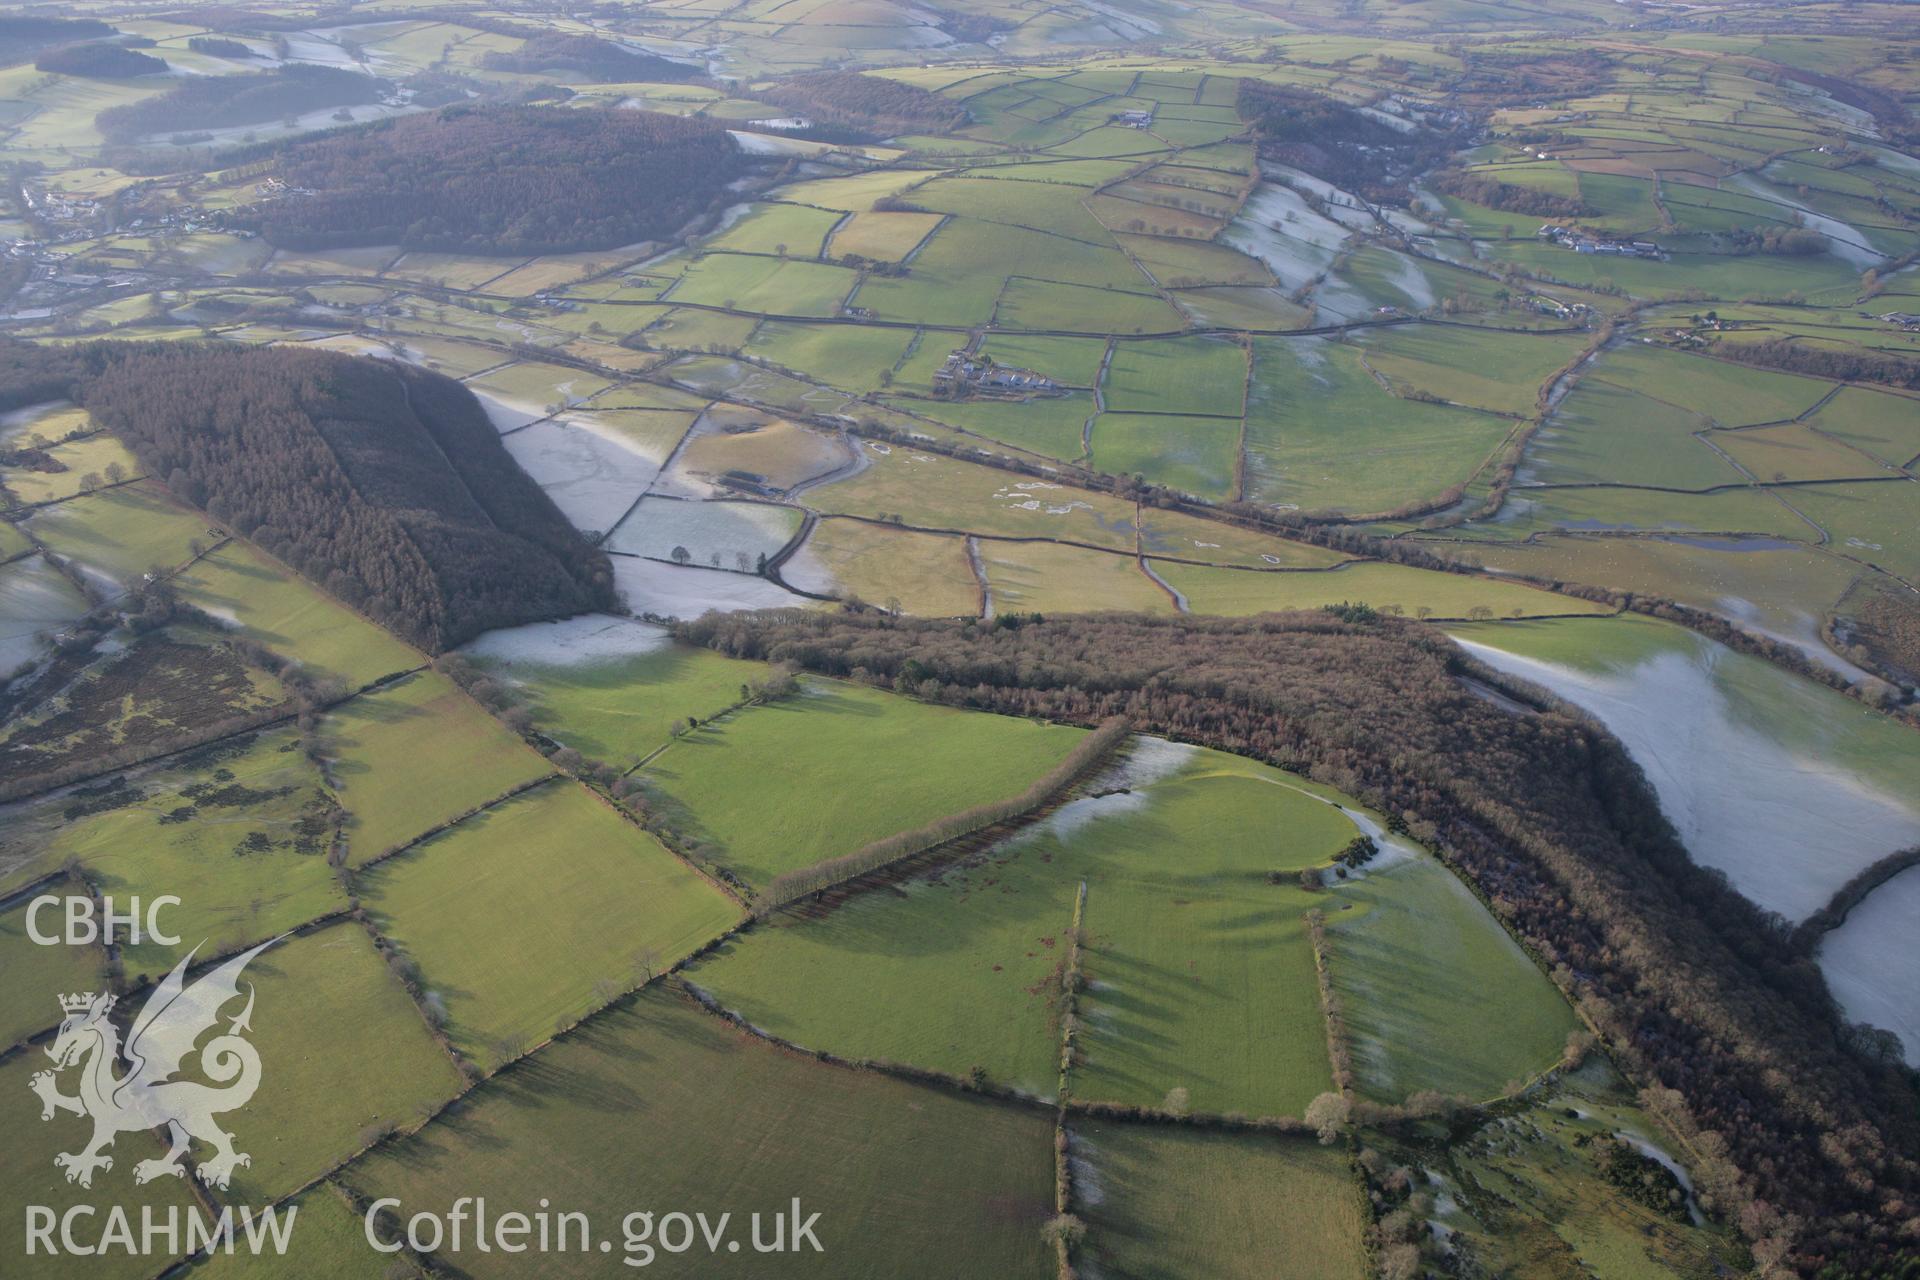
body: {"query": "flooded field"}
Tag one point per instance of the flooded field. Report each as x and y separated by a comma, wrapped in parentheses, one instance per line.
(1787, 787)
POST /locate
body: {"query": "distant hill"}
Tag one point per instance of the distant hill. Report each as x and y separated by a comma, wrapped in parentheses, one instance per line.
(589, 58)
(21, 36)
(506, 180)
(100, 59)
(218, 102)
(383, 483)
(871, 103)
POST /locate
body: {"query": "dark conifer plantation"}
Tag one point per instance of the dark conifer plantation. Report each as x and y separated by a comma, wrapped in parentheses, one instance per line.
(383, 483)
(506, 180)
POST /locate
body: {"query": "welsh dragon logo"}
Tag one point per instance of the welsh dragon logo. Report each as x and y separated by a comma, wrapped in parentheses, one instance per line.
(149, 1096)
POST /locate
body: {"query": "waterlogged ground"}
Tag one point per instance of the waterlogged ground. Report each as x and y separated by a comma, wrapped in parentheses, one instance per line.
(34, 600)
(1872, 964)
(1787, 787)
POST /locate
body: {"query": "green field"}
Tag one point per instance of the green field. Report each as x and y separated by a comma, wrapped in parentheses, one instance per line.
(1487, 369)
(619, 708)
(1181, 375)
(610, 1120)
(1046, 577)
(1391, 932)
(1176, 1202)
(37, 973)
(1201, 977)
(410, 756)
(777, 787)
(316, 1106)
(575, 906)
(123, 532)
(1188, 455)
(927, 574)
(1415, 592)
(33, 1178)
(1322, 435)
(237, 832)
(84, 467)
(241, 586)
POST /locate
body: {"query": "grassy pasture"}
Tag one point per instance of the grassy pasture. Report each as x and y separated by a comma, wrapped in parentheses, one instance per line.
(33, 1178)
(1179, 375)
(785, 785)
(86, 461)
(290, 617)
(1186, 264)
(1878, 522)
(1180, 1202)
(1391, 932)
(1188, 454)
(1188, 947)
(881, 237)
(122, 532)
(1603, 433)
(781, 453)
(1051, 426)
(1074, 308)
(36, 973)
(1200, 974)
(947, 493)
(1322, 435)
(236, 832)
(620, 708)
(1488, 369)
(655, 1104)
(1039, 206)
(788, 230)
(849, 357)
(928, 574)
(318, 1102)
(687, 329)
(1884, 425)
(1074, 362)
(574, 904)
(1447, 595)
(1788, 586)
(332, 1243)
(1050, 578)
(767, 286)
(414, 754)
(1796, 452)
(1732, 395)
(1743, 510)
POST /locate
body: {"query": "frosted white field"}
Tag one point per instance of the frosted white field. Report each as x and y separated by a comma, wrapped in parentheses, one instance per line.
(571, 642)
(675, 591)
(1872, 962)
(34, 600)
(1844, 241)
(1277, 227)
(1783, 785)
(593, 473)
(21, 421)
(727, 531)
(508, 415)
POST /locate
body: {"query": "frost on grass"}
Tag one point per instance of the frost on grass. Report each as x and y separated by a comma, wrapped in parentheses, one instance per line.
(1774, 801)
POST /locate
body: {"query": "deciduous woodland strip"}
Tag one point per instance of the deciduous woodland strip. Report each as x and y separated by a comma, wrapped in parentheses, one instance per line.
(1330, 1007)
(789, 886)
(1071, 979)
(1807, 1145)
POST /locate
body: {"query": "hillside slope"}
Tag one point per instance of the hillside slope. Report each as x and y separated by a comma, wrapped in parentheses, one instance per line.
(383, 483)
